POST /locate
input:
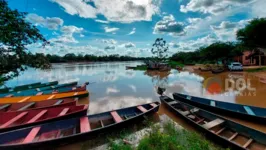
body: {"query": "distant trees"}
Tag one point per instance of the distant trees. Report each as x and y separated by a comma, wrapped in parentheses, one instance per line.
(15, 35)
(82, 58)
(160, 49)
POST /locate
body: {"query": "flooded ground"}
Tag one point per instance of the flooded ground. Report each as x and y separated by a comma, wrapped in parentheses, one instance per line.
(113, 87)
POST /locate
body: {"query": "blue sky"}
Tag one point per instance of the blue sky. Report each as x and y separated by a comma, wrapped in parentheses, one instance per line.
(129, 27)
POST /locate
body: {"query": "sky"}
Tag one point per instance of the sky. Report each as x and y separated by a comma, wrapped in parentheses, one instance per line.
(130, 27)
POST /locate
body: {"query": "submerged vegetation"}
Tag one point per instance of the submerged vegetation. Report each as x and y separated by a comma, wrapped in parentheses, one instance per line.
(167, 138)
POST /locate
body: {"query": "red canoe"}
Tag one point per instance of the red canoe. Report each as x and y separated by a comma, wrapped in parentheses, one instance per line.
(19, 119)
(36, 105)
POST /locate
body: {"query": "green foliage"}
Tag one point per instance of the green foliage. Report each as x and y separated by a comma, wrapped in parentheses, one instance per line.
(174, 64)
(15, 35)
(141, 67)
(82, 58)
(170, 138)
(254, 34)
(160, 49)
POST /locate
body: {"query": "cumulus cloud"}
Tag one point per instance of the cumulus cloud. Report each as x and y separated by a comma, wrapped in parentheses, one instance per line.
(125, 11)
(132, 32)
(108, 41)
(107, 29)
(258, 8)
(109, 47)
(50, 23)
(129, 45)
(227, 30)
(211, 6)
(173, 45)
(77, 7)
(170, 26)
(102, 21)
(67, 34)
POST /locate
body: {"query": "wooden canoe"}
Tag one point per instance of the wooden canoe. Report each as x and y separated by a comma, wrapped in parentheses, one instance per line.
(19, 119)
(28, 86)
(43, 97)
(244, 112)
(58, 90)
(75, 129)
(217, 71)
(40, 89)
(219, 129)
(35, 105)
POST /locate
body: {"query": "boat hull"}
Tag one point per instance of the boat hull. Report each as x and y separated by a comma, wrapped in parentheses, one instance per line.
(83, 136)
(227, 112)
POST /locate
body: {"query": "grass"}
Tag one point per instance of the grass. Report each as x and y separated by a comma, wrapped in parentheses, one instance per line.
(255, 69)
(141, 68)
(174, 64)
(168, 138)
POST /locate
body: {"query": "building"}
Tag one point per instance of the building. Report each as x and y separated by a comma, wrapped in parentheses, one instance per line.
(252, 58)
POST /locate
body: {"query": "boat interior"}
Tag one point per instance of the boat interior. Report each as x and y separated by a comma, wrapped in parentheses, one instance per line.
(71, 127)
(225, 129)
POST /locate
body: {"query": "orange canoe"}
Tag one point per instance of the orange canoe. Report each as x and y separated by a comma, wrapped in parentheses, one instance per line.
(43, 97)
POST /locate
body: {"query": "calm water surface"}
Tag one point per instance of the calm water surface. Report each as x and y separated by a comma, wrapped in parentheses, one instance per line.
(115, 87)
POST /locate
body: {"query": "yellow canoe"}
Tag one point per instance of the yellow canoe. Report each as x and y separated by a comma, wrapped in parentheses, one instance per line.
(43, 97)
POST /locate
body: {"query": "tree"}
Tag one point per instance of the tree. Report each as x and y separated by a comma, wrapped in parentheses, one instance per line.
(160, 49)
(15, 35)
(254, 34)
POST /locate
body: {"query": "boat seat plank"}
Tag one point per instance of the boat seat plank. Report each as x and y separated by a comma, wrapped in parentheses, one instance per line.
(38, 116)
(63, 112)
(11, 121)
(116, 117)
(233, 136)
(153, 105)
(27, 106)
(142, 109)
(9, 95)
(76, 93)
(249, 110)
(31, 136)
(24, 99)
(200, 120)
(213, 123)
(51, 97)
(101, 123)
(4, 106)
(220, 131)
(58, 102)
(213, 103)
(173, 102)
(39, 93)
(84, 124)
(185, 113)
(248, 143)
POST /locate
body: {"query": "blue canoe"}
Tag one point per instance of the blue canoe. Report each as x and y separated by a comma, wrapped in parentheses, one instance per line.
(75, 129)
(45, 90)
(27, 87)
(219, 129)
(244, 112)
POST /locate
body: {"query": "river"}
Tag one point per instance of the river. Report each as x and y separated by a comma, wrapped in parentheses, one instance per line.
(112, 86)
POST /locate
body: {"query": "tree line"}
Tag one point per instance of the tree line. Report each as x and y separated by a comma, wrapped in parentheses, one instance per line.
(71, 57)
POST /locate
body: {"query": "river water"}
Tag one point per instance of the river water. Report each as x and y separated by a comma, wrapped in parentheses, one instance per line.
(113, 87)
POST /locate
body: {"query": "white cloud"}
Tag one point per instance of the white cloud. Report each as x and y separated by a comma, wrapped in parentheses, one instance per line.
(108, 41)
(132, 32)
(102, 21)
(50, 23)
(226, 31)
(170, 26)
(67, 35)
(125, 11)
(129, 45)
(77, 7)
(109, 47)
(211, 6)
(107, 29)
(258, 8)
